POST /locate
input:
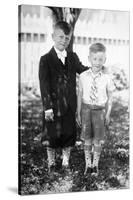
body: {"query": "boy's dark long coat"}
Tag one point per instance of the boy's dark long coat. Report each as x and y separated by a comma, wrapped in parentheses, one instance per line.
(58, 91)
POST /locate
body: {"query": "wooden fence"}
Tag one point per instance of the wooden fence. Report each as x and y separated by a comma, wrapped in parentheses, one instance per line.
(33, 45)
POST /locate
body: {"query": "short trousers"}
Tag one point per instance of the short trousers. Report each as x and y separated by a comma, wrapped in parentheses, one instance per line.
(93, 122)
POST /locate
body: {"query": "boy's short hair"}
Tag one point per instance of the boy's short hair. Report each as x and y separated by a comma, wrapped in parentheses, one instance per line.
(97, 47)
(63, 26)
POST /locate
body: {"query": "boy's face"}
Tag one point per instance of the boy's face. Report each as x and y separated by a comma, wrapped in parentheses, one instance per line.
(97, 60)
(60, 39)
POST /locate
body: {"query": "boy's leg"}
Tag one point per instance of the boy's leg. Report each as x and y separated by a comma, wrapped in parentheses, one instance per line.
(99, 130)
(86, 136)
(88, 157)
(51, 157)
(96, 155)
(66, 155)
(68, 136)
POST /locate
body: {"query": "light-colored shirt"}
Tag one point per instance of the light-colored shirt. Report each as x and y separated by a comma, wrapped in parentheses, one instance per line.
(104, 84)
(61, 54)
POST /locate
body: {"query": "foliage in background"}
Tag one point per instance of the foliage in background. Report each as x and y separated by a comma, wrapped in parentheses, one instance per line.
(119, 78)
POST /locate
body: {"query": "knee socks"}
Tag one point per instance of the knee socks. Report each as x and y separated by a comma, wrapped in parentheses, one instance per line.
(88, 153)
(96, 155)
(66, 155)
(51, 156)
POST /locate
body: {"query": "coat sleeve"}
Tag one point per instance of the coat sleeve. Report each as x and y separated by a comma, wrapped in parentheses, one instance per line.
(79, 66)
(44, 81)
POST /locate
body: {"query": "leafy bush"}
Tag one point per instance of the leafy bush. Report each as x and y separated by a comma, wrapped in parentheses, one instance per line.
(119, 78)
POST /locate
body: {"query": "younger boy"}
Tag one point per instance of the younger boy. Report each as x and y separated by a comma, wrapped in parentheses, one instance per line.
(94, 105)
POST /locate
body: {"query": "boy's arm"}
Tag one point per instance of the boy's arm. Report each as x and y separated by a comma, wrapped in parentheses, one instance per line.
(45, 88)
(79, 66)
(79, 102)
(110, 88)
(108, 108)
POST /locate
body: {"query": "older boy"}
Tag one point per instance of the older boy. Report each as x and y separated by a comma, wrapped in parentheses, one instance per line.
(94, 105)
(57, 75)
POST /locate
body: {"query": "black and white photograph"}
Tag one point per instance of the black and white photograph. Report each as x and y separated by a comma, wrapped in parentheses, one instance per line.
(73, 99)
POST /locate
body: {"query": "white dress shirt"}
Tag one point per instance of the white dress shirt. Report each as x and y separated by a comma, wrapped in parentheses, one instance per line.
(103, 83)
(61, 54)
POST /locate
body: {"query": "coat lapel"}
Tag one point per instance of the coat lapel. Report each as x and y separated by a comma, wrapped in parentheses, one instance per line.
(69, 62)
(57, 63)
(55, 60)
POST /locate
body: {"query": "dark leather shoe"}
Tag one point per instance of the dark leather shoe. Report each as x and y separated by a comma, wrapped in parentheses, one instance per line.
(88, 171)
(65, 170)
(95, 171)
(52, 169)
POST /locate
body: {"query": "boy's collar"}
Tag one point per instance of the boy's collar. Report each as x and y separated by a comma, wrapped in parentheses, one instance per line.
(97, 74)
(62, 53)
